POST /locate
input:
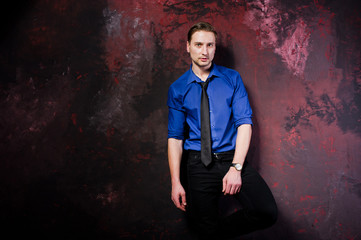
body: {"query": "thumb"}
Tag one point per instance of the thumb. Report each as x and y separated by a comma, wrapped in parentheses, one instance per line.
(184, 201)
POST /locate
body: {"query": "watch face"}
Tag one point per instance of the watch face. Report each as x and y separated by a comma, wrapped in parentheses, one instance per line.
(238, 166)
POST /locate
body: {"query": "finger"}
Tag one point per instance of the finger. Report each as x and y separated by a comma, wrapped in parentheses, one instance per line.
(177, 200)
(183, 208)
(231, 190)
(184, 201)
(224, 185)
(228, 188)
(236, 189)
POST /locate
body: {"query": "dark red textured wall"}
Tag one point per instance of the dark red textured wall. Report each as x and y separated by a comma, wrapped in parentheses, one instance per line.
(84, 116)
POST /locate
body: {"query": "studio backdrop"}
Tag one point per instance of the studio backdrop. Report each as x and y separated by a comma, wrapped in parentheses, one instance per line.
(83, 111)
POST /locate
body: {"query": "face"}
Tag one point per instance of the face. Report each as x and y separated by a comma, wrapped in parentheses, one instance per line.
(202, 48)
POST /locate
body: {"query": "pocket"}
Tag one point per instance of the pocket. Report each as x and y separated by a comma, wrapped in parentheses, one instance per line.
(194, 159)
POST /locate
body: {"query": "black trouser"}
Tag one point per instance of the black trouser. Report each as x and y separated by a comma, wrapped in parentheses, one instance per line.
(204, 191)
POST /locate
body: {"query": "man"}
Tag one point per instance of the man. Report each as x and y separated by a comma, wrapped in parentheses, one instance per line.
(210, 118)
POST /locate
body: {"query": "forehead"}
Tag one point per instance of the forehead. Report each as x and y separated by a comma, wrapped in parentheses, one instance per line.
(203, 36)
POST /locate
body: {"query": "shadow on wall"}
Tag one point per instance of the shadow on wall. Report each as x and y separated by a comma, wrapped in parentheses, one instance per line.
(224, 56)
(227, 205)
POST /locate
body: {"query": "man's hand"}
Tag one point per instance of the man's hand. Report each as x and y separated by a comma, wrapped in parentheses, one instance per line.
(179, 196)
(232, 182)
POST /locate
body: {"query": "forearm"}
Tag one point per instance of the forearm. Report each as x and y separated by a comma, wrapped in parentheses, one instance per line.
(244, 134)
(232, 181)
(175, 151)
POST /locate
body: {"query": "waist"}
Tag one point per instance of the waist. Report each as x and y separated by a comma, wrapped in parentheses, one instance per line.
(217, 146)
(215, 155)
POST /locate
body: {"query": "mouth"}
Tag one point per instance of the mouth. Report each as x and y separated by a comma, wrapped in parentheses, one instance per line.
(204, 59)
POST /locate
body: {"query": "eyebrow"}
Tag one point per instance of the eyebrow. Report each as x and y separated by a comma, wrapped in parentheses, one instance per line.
(204, 42)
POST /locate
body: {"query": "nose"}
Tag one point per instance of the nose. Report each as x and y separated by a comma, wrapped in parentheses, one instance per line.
(204, 50)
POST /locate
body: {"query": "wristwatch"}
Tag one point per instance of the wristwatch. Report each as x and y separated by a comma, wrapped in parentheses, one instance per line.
(237, 166)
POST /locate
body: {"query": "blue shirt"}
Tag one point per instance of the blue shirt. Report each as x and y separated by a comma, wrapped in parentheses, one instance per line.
(228, 105)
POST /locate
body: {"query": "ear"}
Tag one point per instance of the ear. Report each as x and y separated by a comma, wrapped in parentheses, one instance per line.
(188, 45)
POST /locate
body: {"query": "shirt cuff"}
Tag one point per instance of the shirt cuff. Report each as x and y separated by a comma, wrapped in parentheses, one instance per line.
(242, 121)
(179, 136)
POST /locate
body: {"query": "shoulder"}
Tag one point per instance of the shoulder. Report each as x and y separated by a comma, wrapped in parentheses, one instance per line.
(227, 71)
(180, 84)
(231, 75)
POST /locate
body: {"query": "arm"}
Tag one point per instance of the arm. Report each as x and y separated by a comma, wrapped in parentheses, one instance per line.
(232, 181)
(175, 151)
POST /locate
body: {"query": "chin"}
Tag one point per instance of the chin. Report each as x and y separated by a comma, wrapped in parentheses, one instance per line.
(204, 64)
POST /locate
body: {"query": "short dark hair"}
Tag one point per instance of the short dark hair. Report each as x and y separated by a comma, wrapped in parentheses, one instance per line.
(201, 26)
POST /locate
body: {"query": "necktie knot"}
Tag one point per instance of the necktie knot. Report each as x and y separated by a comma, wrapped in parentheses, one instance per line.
(204, 84)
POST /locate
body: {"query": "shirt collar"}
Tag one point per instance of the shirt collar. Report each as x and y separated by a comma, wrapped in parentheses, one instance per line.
(193, 78)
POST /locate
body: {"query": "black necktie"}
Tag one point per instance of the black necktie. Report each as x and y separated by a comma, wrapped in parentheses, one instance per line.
(206, 147)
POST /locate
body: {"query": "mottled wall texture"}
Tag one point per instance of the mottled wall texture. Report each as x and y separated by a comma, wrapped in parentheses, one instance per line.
(83, 121)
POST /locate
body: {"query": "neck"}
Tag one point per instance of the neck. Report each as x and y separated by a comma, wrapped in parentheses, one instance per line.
(201, 72)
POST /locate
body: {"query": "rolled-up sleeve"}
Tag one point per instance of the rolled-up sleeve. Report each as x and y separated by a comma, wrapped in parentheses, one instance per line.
(176, 115)
(242, 112)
